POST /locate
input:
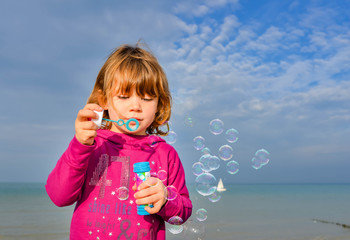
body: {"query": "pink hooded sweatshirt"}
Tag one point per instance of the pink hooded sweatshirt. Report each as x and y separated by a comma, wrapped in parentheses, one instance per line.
(100, 179)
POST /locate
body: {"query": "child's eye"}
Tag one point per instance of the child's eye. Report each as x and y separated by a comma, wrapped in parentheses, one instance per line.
(147, 99)
(123, 97)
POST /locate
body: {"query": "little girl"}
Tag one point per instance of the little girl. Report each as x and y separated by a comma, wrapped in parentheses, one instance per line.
(96, 170)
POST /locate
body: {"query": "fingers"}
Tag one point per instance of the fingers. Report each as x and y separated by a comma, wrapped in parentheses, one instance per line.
(151, 191)
(88, 125)
(85, 129)
(155, 209)
(88, 113)
(149, 182)
(93, 106)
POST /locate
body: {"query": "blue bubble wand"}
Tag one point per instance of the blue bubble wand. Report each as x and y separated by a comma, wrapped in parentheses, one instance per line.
(120, 122)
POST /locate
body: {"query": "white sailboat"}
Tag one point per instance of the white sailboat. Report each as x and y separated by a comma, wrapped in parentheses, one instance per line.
(220, 187)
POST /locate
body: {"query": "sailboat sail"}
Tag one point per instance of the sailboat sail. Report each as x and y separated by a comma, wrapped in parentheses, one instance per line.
(220, 187)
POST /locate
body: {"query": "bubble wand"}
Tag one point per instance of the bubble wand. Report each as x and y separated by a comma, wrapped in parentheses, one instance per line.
(120, 122)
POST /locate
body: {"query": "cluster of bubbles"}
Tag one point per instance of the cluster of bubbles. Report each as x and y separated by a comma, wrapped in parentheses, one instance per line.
(209, 162)
(206, 184)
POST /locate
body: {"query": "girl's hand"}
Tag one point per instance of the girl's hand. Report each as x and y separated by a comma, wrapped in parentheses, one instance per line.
(85, 129)
(151, 191)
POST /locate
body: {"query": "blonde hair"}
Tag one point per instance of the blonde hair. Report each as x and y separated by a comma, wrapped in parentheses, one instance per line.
(129, 67)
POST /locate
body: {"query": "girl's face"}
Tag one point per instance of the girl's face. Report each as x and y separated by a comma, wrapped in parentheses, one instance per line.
(132, 106)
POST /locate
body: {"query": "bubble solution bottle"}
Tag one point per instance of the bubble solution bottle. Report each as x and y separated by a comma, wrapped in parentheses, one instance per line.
(142, 172)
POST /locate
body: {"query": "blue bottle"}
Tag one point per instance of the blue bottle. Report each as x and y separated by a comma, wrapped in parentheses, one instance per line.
(142, 172)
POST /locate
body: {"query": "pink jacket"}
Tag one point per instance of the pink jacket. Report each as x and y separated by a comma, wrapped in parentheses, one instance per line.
(100, 179)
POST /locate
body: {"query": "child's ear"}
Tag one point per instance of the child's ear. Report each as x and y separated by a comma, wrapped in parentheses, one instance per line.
(102, 101)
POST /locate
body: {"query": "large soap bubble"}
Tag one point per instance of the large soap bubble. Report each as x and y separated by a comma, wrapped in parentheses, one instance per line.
(175, 220)
(199, 142)
(171, 137)
(214, 163)
(205, 160)
(260, 159)
(175, 226)
(216, 126)
(215, 197)
(171, 192)
(225, 152)
(263, 156)
(232, 135)
(123, 193)
(197, 168)
(162, 175)
(201, 214)
(175, 229)
(205, 184)
(232, 167)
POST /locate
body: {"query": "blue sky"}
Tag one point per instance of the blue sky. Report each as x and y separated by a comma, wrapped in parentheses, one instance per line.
(277, 71)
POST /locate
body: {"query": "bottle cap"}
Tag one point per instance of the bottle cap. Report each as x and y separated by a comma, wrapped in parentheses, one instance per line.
(142, 167)
(99, 120)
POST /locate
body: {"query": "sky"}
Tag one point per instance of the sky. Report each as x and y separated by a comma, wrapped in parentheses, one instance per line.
(276, 71)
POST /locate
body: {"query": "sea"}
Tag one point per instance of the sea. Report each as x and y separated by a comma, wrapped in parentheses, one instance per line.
(242, 212)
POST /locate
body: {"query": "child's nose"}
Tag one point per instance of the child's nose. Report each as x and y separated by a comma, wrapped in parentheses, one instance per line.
(136, 104)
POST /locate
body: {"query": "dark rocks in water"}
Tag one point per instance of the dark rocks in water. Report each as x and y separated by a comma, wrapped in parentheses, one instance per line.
(329, 222)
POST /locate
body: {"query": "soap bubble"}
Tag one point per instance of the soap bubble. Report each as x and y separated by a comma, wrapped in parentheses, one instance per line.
(201, 214)
(214, 162)
(205, 160)
(263, 156)
(232, 167)
(171, 192)
(216, 126)
(175, 226)
(225, 152)
(256, 164)
(194, 230)
(162, 175)
(261, 159)
(197, 168)
(175, 229)
(122, 193)
(232, 135)
(206, 151)
(175, 220)
(189, 121)
(171, 137)
(215, 197)
(199, 142)
(205, 184)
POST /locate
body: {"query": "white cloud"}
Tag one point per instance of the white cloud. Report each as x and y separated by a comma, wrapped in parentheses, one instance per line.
(201, 8)
(220, 3)
(267, 42)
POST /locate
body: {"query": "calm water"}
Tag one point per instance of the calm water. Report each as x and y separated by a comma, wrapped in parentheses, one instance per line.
(245, 212)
